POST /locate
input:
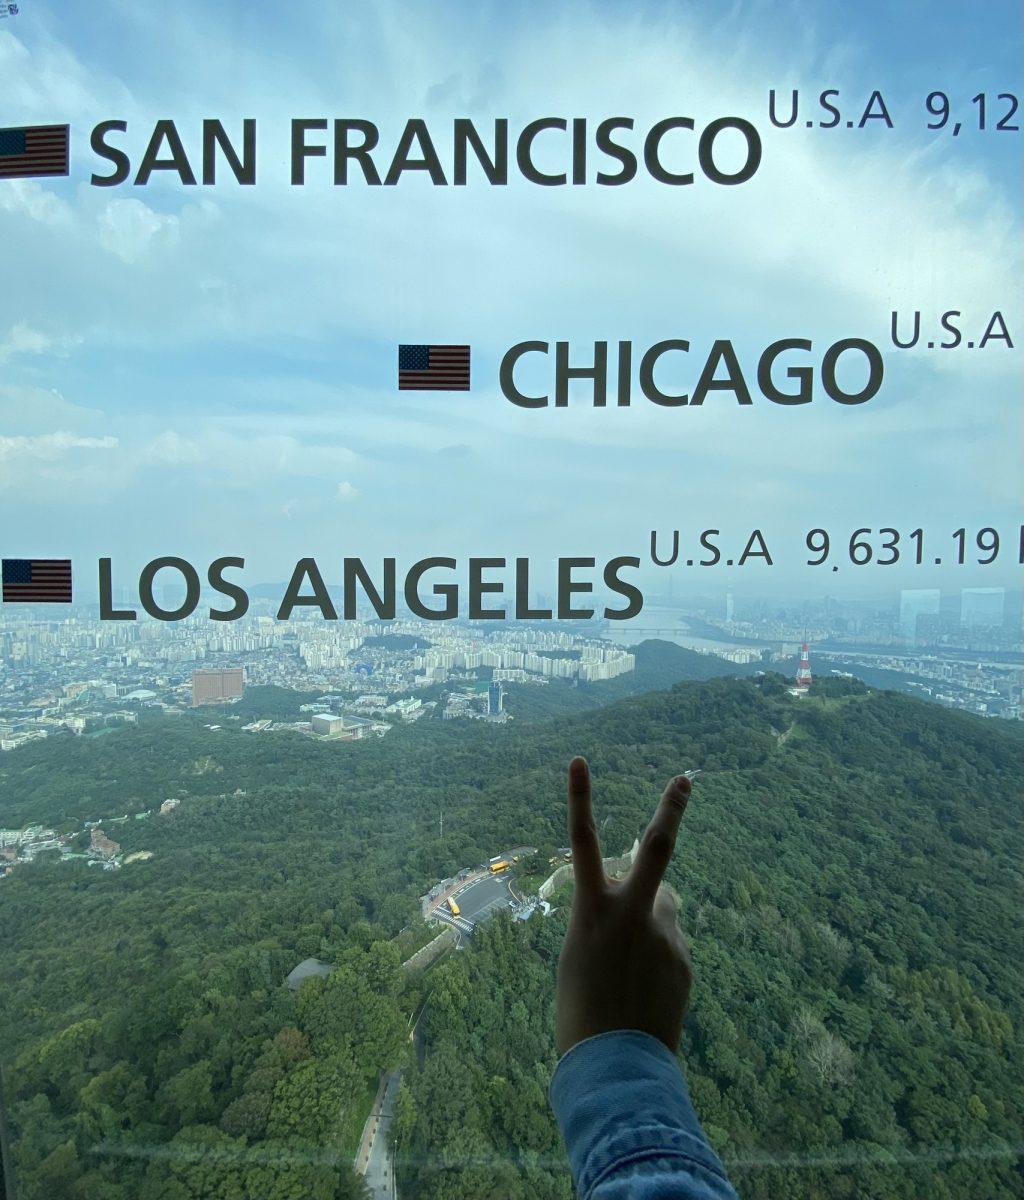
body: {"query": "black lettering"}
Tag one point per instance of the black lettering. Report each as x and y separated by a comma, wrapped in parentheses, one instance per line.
(652, 146)
(524, 151)
(191, 578)
(793, 109)
(823, 100)
(605, 144)
(756, 547)
(804, 375)
(706, 151)
(598, 372)
(165, 131)
(300, 151)
(624, 388)
(568, 587)
(226, 588)
(647, 385)
(996, 329)
(722, 351)
(523, 610)
(244, 168)
(914, 336)
(449, 591)
(507, 368)
(622, 588)
(708, 545)
(876, 371)
(121, 161)
(415, 132)
(306, 568)
(355, 572)
(107, 610)
(478, 586)
(495, 166)
(361, 153)
(946, 324)
(883, 115)
(579, 150)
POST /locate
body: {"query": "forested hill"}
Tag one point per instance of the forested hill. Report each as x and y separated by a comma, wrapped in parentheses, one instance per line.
(659, 665)
(850, 868)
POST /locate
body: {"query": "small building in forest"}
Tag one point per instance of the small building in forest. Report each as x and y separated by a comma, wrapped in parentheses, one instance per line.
(305, 970)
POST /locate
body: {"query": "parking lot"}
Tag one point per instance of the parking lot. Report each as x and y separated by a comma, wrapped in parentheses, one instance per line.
(481, 897)
(484, 897)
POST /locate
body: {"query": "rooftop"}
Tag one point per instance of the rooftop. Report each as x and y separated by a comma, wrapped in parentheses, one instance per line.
(307, 968)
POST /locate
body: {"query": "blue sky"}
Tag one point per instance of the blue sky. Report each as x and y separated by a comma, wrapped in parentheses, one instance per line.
(210, 371)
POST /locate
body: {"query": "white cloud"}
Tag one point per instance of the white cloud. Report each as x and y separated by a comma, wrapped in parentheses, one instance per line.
(23, 339)
(50, 446)
(25, 197)
(27, 409)
(128, 228)
(320, 282)
(247, 459)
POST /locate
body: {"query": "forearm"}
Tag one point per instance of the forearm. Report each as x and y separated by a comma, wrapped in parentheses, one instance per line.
(629, 1127)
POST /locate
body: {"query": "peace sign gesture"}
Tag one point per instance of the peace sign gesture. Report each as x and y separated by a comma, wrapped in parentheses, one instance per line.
(624, 963)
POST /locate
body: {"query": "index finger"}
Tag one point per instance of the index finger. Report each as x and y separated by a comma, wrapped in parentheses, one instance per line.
(588, 870)
(659, 841)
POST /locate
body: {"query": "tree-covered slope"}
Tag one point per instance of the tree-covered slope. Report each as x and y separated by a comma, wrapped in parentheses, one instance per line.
(856, 1021)
(850, 868)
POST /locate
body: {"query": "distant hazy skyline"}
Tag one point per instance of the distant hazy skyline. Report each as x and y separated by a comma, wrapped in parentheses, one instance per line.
(212, 370)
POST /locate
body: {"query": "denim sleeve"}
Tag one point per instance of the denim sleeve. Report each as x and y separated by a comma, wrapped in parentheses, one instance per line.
(622, 1104)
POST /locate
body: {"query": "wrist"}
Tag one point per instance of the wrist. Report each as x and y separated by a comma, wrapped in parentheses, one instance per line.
(581, 1031)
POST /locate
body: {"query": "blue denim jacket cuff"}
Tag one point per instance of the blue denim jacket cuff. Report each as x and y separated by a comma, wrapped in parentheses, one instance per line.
(620, 1097)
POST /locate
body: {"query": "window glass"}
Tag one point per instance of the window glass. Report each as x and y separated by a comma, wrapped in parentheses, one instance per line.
(398, 400)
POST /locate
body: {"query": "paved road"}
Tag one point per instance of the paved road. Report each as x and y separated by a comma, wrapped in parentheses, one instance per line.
(380, 1171)
(483, 897)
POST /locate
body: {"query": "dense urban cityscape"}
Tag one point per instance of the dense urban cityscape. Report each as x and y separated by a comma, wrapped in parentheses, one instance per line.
(75, 673)
(80, 675)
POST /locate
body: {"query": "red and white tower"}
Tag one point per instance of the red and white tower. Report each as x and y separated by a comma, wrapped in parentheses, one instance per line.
(803, 672)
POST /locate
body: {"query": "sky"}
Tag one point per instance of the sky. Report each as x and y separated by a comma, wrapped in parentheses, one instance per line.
(211, 370)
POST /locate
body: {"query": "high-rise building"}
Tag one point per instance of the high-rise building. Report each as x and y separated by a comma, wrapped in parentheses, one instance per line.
(914, 604)
(495, 698)
(217, 686)
(982, 607)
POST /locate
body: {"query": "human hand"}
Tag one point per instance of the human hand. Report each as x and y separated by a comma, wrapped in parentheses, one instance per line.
(624, 962)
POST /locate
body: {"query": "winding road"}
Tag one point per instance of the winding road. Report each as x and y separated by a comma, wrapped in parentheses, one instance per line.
(380, 1170)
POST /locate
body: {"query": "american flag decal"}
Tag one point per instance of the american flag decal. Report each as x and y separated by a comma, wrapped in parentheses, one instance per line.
(433, 368)
(37, 580)
(33, 151)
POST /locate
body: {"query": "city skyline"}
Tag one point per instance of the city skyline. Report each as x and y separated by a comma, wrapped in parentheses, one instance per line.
(80, 673)
(969, 607)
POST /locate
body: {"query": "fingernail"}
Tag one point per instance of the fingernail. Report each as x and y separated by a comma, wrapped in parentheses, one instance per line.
(682, 782)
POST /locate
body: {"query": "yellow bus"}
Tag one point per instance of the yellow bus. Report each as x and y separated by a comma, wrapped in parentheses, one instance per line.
(497, 867)
(453, 906)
